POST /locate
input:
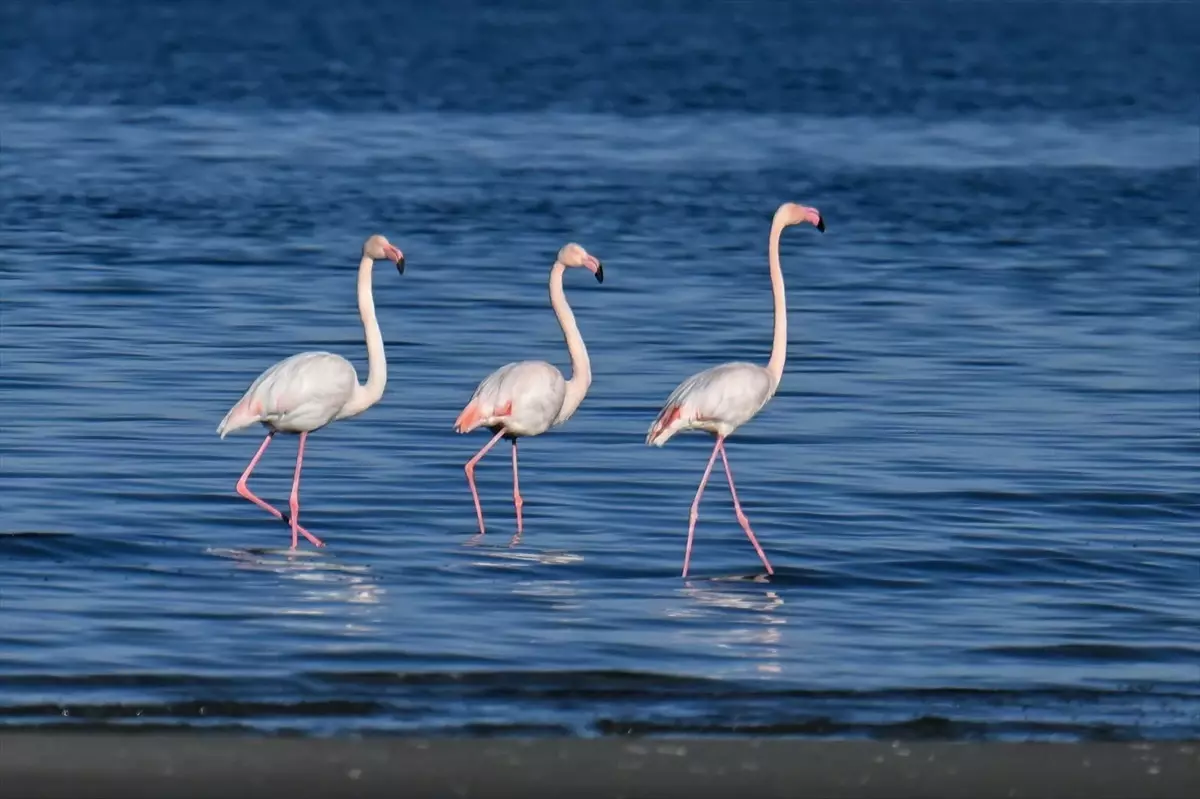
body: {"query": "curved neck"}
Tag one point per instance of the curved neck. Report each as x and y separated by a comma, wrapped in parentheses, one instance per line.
(367, 395)
(779, 343)
(581, 367)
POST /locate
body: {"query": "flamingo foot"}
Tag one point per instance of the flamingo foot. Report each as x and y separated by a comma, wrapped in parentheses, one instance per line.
(287, 519)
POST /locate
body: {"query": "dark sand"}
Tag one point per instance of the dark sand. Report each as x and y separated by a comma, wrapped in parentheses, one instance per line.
(38, 764)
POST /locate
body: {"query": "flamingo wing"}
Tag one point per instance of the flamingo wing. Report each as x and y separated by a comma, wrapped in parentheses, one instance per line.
(523, 397)
(300, 393)
(718, 400)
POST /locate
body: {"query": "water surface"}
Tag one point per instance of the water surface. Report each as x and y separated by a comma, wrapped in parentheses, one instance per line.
(977, 482)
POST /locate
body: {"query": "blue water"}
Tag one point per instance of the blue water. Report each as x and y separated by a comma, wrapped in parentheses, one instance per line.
(978, 483)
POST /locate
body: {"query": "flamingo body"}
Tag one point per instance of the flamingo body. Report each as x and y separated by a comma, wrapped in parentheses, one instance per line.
(722, 399)
(527, 398)
(523, 398)
(718, 401)
(299, 394)
(305, 392)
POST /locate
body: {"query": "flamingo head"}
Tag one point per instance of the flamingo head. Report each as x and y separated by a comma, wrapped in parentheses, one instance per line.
(378, 248)
(574, 255)
(795, 214)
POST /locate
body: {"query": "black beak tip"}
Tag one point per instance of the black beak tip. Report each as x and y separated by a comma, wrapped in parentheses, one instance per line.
(821, 225)
(400, 265)
(600, 273)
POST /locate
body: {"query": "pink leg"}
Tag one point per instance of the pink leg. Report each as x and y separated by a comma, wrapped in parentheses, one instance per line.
(294, 503)
(695, 514)
(737, 508)
(244, 491)
(470, 470)
(517, 501)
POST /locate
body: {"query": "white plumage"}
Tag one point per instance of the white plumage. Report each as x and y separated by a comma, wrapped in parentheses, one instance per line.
(299, 394)
(525, 398)
(718, 400)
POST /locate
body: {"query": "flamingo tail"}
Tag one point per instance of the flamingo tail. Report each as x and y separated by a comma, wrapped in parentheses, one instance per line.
(665, 426)
(469, 419)
(245, 414)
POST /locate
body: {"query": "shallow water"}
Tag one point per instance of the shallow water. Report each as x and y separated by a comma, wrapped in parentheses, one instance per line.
(977, 483)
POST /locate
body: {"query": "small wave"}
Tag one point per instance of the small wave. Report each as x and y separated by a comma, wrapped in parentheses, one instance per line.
(922, 728)
(588, 703)
(582, 683)
(570, 140)
(195, 708)
(62, 546)
(1109, 653)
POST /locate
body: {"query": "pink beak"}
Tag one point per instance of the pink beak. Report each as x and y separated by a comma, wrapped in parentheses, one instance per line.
(395, 255)
(814, 216)
(596, 268)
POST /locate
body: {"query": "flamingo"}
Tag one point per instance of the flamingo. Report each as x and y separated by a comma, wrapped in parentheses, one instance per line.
(721, 399)
(305, 392)
(527, 398)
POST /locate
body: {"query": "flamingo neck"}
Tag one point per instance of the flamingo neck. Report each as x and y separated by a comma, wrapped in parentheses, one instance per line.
(581, 366)
(779, 342)
(367, 395)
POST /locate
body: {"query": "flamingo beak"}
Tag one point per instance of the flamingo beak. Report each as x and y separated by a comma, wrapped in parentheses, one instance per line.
(814, 216)
(395, 255)
(596, 267)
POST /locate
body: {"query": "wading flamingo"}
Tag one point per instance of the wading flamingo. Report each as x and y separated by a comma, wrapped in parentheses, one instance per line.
(721, 399)
(305, 392)
(529, 397)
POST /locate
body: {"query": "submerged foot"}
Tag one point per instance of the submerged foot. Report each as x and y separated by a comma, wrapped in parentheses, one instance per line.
(286, 519)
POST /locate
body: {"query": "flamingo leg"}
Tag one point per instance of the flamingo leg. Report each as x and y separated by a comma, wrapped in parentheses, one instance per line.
(695, 514)
(470, 470)
(737, 508)
(244, 491)
(517, 501)
(294, 502)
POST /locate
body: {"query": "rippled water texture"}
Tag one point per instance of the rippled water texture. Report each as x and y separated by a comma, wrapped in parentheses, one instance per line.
(978, 482)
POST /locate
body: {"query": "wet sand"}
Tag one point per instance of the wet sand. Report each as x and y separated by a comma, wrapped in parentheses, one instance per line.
(50, 764)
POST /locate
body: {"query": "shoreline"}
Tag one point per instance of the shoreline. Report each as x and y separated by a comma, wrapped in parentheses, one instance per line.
(163, 766)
